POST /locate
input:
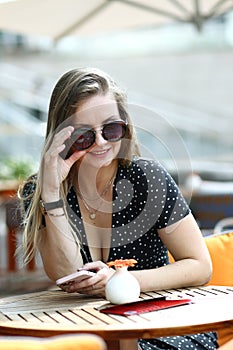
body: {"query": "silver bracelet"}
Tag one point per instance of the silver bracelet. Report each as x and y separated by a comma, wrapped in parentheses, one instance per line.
(51, 214)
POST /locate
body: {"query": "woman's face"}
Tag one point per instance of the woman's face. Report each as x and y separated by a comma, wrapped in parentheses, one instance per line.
(94, 113)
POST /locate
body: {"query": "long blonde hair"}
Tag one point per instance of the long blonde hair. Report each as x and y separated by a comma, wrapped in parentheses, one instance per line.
(71, 90)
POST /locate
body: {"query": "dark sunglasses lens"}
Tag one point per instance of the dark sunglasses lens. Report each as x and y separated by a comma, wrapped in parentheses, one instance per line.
(83, 139)
(114, 131)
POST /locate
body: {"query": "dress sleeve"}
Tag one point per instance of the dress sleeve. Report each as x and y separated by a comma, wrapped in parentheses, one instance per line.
(27, 192)
(164, 203)
(26, 196)
(174, 205)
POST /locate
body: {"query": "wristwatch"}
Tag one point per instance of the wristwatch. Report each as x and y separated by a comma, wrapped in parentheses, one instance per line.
(50, 206)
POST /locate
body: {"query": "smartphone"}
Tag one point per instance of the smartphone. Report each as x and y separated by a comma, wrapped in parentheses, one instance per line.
(74, 277)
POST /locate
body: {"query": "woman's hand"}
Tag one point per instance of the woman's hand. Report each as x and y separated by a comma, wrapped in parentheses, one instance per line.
(55, 168)
(94, 285)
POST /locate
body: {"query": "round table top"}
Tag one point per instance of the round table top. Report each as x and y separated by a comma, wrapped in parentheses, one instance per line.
(55, 312)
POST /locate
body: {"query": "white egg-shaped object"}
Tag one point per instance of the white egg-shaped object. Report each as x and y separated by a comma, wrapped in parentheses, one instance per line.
(122, 287)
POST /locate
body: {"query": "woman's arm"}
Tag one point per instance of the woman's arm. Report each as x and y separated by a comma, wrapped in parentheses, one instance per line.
(58, 247)
(192, 264)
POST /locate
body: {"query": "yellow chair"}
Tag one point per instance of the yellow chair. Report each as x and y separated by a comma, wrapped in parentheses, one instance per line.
(220, 247)
(64, 342)
(221, 251)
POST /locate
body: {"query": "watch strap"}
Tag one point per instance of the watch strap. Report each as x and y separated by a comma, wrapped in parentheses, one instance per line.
(50, 206)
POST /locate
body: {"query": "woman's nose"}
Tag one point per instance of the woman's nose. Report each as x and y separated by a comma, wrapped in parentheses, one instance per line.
(99, 140)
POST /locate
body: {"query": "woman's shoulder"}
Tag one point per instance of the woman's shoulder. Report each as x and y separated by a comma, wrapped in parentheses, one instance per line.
(151, 170)
(149, 166)
(142, 170)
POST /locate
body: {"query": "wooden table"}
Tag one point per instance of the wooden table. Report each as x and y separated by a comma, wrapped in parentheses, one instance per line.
(55, 312)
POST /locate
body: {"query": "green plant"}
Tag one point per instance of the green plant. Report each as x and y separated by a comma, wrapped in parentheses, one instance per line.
(16, 169)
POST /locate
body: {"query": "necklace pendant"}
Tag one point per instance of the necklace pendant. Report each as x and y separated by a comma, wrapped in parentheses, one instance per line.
(92, 216)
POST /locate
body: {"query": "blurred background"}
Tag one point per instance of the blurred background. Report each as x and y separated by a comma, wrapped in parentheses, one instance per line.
(174, 58)
(170, 63)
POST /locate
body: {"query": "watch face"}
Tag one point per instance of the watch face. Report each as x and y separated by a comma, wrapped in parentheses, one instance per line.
(42, 207)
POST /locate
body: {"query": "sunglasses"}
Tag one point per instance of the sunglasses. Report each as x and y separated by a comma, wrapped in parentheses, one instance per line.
(83, 138)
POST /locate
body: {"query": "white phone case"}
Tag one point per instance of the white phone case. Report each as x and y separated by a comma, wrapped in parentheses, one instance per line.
(74, 277)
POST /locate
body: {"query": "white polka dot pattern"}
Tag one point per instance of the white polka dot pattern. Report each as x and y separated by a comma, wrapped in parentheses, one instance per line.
(145, 198)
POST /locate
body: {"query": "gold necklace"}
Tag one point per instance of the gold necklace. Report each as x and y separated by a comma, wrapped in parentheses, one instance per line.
(92, 214)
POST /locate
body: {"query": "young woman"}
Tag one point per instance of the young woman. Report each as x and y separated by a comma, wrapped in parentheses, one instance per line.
(94, 200)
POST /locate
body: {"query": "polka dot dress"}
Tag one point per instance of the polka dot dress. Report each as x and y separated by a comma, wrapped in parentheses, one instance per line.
(145, 198)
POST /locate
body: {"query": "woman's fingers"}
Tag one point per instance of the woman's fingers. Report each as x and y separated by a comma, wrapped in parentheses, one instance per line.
(93, 286)
(58, 143)
(56, 169)
(95, 265)
(74, 157)
(63, 135)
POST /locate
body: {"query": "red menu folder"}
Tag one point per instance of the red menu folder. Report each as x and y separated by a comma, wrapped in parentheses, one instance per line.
(146, 305)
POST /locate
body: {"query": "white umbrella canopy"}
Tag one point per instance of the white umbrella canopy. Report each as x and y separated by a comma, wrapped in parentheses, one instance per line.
(57, 19)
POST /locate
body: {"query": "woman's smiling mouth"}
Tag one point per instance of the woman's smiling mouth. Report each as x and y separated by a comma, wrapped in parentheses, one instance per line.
(99, 153)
